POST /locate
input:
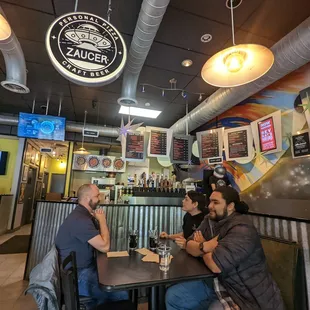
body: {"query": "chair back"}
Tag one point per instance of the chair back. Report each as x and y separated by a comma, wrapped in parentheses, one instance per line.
(69, 282)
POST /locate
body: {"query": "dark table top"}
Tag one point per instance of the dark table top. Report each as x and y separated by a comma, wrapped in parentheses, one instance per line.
(130, 272)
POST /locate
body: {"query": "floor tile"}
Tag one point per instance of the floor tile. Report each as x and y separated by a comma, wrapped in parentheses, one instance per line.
(7, 305)
(25, 302)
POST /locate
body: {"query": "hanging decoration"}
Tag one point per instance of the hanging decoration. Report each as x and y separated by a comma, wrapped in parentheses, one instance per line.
(237, 65)
(86, 49)
(124, 129)
(82, 150)
(306, 105)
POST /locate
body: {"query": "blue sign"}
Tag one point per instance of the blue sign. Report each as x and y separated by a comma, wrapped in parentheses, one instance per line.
(43, 127)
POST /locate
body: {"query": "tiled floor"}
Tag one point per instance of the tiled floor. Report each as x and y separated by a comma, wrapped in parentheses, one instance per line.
(12, 285)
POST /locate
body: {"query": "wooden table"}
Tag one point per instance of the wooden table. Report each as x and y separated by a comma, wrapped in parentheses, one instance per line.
(128, 273)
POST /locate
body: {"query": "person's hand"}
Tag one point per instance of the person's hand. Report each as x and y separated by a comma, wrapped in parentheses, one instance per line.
(164, 235)
(209, 246)
(99, 214)
(181, 242)
(198, 237)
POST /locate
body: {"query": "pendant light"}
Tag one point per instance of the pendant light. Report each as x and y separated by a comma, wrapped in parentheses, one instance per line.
(237, 65)
(82, 150)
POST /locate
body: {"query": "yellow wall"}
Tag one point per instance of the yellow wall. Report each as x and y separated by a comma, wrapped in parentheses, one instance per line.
(10, 146)
(55, 167)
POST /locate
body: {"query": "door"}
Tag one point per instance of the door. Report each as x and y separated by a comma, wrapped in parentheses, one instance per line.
(58, 183)
(29, 196)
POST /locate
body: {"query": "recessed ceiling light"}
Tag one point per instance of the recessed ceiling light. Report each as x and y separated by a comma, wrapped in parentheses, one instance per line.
(139, 112)
(207, 37)
(187, 62)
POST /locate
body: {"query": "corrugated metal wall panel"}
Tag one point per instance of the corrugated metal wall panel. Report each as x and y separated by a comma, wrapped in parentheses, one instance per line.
(120, 220)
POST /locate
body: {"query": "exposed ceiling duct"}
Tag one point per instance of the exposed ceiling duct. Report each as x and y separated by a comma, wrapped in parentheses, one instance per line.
(111, 132)
(291, 53)
(16, 74)
(150, 17)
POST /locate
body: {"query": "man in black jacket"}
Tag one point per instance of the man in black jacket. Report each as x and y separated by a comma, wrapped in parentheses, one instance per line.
(230, 247)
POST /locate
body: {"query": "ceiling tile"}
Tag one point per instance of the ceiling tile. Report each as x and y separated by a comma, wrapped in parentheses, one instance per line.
(27, 24)
(274, 19)
(170, 58)
(175, 31)
(244, 37)
(48, 87)
(40, 5)
(217, 10)
(35, 52)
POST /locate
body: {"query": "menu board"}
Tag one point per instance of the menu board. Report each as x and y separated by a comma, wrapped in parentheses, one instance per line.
(158, 143)
(181, 149)
(134, 146)
(300, 145)
(266, 133)
(210, 145)
(238, 144)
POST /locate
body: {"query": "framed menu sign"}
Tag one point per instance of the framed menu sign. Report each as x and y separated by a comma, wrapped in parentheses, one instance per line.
(266, 133)
(158, 142)
(134, 148)
(210, 145)
(300, 145)
(181, 149)
(238, 143)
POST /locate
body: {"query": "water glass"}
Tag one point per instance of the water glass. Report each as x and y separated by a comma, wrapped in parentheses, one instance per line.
(164, 257)
(153, 237)
(133, 239)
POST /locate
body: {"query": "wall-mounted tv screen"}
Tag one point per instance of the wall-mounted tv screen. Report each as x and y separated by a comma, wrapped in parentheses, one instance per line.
(44, 127)
(3, 162)
(267, 137)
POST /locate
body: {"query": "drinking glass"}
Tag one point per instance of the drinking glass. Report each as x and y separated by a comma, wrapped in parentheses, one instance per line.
(164, 257)
(153, 237)
(133, 239)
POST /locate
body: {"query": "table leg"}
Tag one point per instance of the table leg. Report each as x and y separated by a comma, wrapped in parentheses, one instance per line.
(161, 297)
(153, 298)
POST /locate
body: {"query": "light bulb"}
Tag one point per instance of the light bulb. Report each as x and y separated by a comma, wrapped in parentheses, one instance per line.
(5, 29)
(234, 61)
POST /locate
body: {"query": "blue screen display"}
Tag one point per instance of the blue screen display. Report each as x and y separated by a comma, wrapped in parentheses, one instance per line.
(44, 127)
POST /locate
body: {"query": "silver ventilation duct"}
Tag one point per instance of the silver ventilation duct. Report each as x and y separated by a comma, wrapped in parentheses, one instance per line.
(70, 126)
(150, 17)
(16, 75)
(291, 53)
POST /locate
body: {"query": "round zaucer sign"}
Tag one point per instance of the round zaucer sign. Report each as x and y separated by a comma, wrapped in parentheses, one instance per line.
(86, 49)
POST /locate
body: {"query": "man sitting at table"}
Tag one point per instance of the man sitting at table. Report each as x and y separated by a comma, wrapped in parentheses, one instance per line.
(230, 247)
(195, 205)
(78, 233)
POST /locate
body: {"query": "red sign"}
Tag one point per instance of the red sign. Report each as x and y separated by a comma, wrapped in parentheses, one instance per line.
(267, 139)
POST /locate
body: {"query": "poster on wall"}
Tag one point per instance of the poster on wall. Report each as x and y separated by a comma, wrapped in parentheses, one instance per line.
(28, 154)
(238, 143)
(300, 145)
(267, 133)
(158, 142)
(135, 146)
(210, 145)
(181, 149)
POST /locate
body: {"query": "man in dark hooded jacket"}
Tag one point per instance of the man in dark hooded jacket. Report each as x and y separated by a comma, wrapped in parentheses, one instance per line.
(230, 247)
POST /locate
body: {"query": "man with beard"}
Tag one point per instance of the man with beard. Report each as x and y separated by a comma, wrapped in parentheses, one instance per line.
(230, 247)
(79, 233)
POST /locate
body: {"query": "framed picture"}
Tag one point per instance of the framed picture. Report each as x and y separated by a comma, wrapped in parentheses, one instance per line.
(41, 169)
(27, 154)
(25, 173)
(33, 155)
(22, 192)
(38, 190)
(37, 158)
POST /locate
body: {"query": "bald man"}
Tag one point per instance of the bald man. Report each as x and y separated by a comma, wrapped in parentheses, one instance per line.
(79, 233)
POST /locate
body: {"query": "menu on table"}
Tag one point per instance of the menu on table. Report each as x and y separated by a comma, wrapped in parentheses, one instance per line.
(180, 149)
(301, 145)
(238, 144)
(158, 142)
(210, 145)
(267, 138)
(134, 146)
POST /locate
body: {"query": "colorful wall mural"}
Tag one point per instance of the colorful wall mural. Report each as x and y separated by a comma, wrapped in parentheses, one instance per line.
(249, 178)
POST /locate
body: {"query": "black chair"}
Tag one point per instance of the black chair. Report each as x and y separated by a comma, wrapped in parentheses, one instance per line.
(69, 285)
